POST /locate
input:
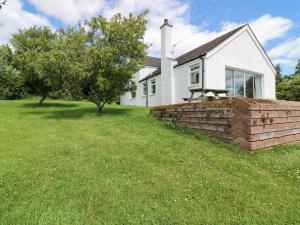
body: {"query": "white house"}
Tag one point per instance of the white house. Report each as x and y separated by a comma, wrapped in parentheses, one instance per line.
(235, 61)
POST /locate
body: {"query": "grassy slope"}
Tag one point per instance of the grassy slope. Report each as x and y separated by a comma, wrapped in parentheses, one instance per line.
(62, 164)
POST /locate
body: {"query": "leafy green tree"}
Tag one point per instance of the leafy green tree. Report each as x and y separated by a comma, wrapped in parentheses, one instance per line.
(74, 41)
(283, 89)
(278, 73)
(39, 57)
(52, 67)
(6, 55)
(11, 81)
(297, 69)
(288, 87)
(295, 86)
(115, 50)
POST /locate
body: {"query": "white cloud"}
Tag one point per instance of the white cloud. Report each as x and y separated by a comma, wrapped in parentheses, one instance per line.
(286, 62)
(68, 11)
(265, 27)
(268, 28)
(178, 12)
(288, 49)
(13, 17)
(286, 53)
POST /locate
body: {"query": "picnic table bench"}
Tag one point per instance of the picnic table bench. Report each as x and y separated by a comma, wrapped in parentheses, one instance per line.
(204, 91)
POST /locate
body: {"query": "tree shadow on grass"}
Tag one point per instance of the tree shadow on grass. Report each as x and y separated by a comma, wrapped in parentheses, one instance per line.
(77, 112)
(50, 105)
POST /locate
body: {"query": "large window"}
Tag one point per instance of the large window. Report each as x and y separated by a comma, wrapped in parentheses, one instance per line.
(244, 84)
(153, 87)
(195, 75)
(145, 89)
(229, 81)
(239, 83)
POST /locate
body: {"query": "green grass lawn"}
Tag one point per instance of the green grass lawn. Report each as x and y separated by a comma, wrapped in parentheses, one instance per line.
(63, 164)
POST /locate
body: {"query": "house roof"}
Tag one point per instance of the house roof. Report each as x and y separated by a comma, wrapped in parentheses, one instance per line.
(197, 52)
(152, 61)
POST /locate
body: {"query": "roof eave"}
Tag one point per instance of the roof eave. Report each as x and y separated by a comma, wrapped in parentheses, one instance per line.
(198, 57)
(149, 76)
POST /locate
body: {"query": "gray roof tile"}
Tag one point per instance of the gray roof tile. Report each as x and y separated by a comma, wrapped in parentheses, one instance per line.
(152, 61)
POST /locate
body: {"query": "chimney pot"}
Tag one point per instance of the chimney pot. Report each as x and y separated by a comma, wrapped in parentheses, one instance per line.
(166, 23)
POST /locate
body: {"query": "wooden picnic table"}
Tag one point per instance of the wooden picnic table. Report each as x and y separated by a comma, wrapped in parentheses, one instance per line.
(204, 91)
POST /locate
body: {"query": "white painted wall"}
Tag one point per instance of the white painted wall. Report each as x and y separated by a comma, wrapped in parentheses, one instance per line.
(140, 100)
(242, 53)
(154, 99)
(182, 80)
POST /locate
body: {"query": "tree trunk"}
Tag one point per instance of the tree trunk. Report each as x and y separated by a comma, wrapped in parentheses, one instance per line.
(42, 99)
(99, 107)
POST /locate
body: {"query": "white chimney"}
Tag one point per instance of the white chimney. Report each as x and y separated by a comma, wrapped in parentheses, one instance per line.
(167, 64)
(166, 39)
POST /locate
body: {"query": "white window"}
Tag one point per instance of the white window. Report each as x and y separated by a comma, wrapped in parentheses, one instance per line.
(245, 84)
(145, 89)
(195, 75)
(153, 87)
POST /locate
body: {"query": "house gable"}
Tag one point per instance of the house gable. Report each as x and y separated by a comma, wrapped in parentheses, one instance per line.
(241, 52)
(205, 48)
(247, 29)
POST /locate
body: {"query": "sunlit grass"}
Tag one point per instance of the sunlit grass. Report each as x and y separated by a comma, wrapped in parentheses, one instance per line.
(64, 164)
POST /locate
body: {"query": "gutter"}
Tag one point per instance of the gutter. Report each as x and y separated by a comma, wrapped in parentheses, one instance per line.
(147, 95)
(203, 74)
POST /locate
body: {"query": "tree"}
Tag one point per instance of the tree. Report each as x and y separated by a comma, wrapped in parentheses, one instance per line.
(39, 57)
(115, 50)
(297, 69)
(283, 89)
(74, 41)
(278, 73)
(6, 55)
(288, 86)
(11, 81)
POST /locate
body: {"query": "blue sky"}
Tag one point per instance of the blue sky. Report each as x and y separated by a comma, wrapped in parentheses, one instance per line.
(213, 12)
(276, 23)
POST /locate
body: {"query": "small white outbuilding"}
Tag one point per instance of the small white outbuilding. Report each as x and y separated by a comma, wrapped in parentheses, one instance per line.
(235, 61)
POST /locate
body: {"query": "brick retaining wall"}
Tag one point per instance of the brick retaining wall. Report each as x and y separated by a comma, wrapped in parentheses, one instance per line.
(248, 123)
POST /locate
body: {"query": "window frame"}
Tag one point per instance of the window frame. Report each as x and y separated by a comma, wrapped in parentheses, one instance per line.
(145, 85)
(244, 72)
(192, 72)
(153, 83)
